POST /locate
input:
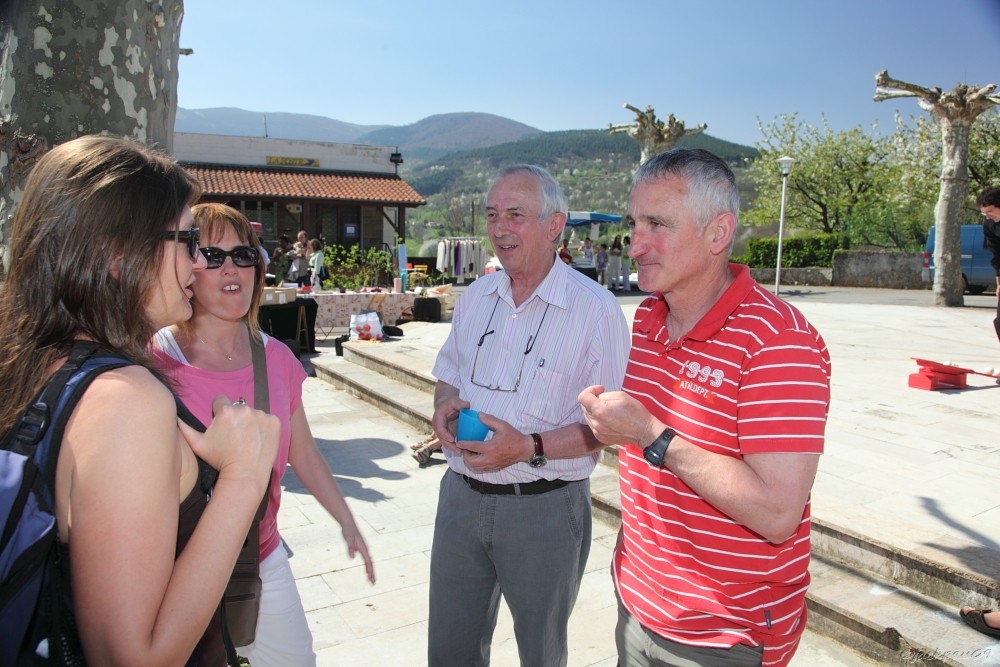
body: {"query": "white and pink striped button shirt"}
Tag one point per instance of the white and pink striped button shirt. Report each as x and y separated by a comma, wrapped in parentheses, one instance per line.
(583, 340)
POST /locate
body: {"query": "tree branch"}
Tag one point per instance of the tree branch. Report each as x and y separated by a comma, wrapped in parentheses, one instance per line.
(884, 81)
(882, 94)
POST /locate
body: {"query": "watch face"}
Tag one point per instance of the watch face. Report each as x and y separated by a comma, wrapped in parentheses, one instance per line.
(537, 461)
(655, 451)
(654, 454)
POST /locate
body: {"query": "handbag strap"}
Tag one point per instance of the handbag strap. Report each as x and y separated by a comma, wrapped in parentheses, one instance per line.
(250, 553)
(261, 401)
(261, 397)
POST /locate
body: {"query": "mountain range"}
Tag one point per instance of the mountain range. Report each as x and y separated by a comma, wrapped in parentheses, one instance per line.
(449, 157)
(434, 134)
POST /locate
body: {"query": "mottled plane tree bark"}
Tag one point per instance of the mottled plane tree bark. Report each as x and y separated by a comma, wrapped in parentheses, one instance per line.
(654, 136)
(75, 67)
(956, 110)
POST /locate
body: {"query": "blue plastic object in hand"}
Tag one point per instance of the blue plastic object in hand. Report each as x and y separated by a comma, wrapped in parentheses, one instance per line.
(469, 426)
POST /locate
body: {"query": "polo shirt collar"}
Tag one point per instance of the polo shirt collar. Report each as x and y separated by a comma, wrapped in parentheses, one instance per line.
(654, 327)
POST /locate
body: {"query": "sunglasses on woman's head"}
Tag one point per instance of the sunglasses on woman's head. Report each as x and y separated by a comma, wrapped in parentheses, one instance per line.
(190, 236)
(243, 256)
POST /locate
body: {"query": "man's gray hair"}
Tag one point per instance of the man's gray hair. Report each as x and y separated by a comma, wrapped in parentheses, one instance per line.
(553, 198)
(711, 184)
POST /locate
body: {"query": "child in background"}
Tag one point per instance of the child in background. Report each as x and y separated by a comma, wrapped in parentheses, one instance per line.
(602, 265)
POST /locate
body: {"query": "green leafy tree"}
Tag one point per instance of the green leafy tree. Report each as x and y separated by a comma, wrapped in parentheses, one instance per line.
(955, 111)
(836, 176)
(984, 153)
(353, 267)
(917, 154)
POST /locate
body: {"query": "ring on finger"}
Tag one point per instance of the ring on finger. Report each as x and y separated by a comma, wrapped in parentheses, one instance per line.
(242, 401)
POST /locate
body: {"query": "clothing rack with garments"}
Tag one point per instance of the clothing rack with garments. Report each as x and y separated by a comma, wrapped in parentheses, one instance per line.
(461, 257)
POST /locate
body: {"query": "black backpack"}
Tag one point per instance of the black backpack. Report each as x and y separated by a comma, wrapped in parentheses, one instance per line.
(31, 601)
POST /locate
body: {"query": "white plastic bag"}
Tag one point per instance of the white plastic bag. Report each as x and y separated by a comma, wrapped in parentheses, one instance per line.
(366, 326)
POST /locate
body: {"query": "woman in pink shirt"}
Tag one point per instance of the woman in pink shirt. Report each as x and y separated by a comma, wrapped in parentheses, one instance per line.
(210, 355)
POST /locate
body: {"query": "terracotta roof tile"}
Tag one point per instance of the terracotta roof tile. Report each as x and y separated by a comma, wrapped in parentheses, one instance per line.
(270, 182)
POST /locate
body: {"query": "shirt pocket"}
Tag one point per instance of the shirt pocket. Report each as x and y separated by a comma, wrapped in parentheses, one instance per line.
(548, 401)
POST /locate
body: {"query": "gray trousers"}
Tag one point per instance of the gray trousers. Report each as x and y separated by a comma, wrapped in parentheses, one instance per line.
(639, 647)
(531, 549)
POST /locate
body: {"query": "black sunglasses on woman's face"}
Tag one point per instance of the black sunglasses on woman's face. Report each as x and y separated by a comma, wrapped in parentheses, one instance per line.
(190, 236)
(243, 256)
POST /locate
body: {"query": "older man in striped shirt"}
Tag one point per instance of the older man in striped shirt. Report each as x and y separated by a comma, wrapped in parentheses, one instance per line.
(721, 423)
(513, 513)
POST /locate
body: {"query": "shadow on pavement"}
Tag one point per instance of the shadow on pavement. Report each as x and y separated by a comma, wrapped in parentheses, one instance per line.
(353, 461)
(979, 559)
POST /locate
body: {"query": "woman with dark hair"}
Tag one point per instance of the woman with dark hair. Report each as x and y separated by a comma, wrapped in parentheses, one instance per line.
(615, 263)
(104, 251)
(316, 262)
(626, 264)
(212, 353)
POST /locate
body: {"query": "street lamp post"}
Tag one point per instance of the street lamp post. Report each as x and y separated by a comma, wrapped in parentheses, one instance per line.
(786, 166)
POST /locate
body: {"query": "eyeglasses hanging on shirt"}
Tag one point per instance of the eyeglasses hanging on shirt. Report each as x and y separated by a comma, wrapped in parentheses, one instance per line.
(529, 346)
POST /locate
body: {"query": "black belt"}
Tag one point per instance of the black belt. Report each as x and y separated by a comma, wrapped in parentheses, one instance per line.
(521, 489)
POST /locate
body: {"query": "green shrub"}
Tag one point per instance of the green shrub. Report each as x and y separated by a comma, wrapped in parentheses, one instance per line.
(796, 251)
(353, 267)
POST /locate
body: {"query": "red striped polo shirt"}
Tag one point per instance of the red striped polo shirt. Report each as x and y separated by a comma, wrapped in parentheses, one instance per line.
(753, 376)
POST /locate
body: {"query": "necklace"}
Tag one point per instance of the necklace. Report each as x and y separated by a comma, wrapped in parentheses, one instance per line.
(228, 356)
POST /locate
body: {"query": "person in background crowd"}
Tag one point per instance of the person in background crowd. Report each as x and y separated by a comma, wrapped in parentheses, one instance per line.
(985, 621)
(720, 424)
(988, 202)
(317, 270)
(615, 263)
(259, 233)
(626, 264)
(106, 252)
(299, 271)
(422, 451)
(587, 250)
(602, 265)
(283, 247)
(564, 254)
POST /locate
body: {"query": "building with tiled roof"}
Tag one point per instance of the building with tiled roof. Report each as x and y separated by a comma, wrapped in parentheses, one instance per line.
(342, 193)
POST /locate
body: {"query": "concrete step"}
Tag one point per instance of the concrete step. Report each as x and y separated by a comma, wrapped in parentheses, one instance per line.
(952, 586)
(892, 624)
(406, 403)
(892, 606)
(391, 362)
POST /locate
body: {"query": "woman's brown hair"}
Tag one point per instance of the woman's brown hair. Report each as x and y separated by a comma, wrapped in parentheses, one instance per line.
(85, 253)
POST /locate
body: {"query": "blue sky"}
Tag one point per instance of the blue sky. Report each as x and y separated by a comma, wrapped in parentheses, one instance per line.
(562, 64)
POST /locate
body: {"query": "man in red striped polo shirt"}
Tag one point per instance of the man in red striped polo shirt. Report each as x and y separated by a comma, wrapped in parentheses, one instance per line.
(721, 421)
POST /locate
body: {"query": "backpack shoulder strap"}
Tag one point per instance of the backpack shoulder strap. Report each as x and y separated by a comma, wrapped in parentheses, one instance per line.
(34, 422)
(39, 431)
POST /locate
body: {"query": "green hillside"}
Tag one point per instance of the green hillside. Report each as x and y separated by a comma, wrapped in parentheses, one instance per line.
(593, 167)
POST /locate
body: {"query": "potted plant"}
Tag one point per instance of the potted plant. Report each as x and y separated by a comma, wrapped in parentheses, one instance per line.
(353, 267)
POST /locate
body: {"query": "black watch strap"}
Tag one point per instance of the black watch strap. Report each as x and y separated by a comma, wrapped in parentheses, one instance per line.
(656, 451)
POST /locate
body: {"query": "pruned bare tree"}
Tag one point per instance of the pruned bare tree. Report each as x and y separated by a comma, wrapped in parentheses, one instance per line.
(71, 68)
(654, 136)
(956, 111)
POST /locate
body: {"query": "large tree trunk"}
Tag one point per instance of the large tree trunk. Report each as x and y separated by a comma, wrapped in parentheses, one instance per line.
(956, 110)
(948, 287)
(75, 67)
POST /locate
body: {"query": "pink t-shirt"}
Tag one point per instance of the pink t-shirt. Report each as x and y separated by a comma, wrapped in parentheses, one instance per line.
(198, 388)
